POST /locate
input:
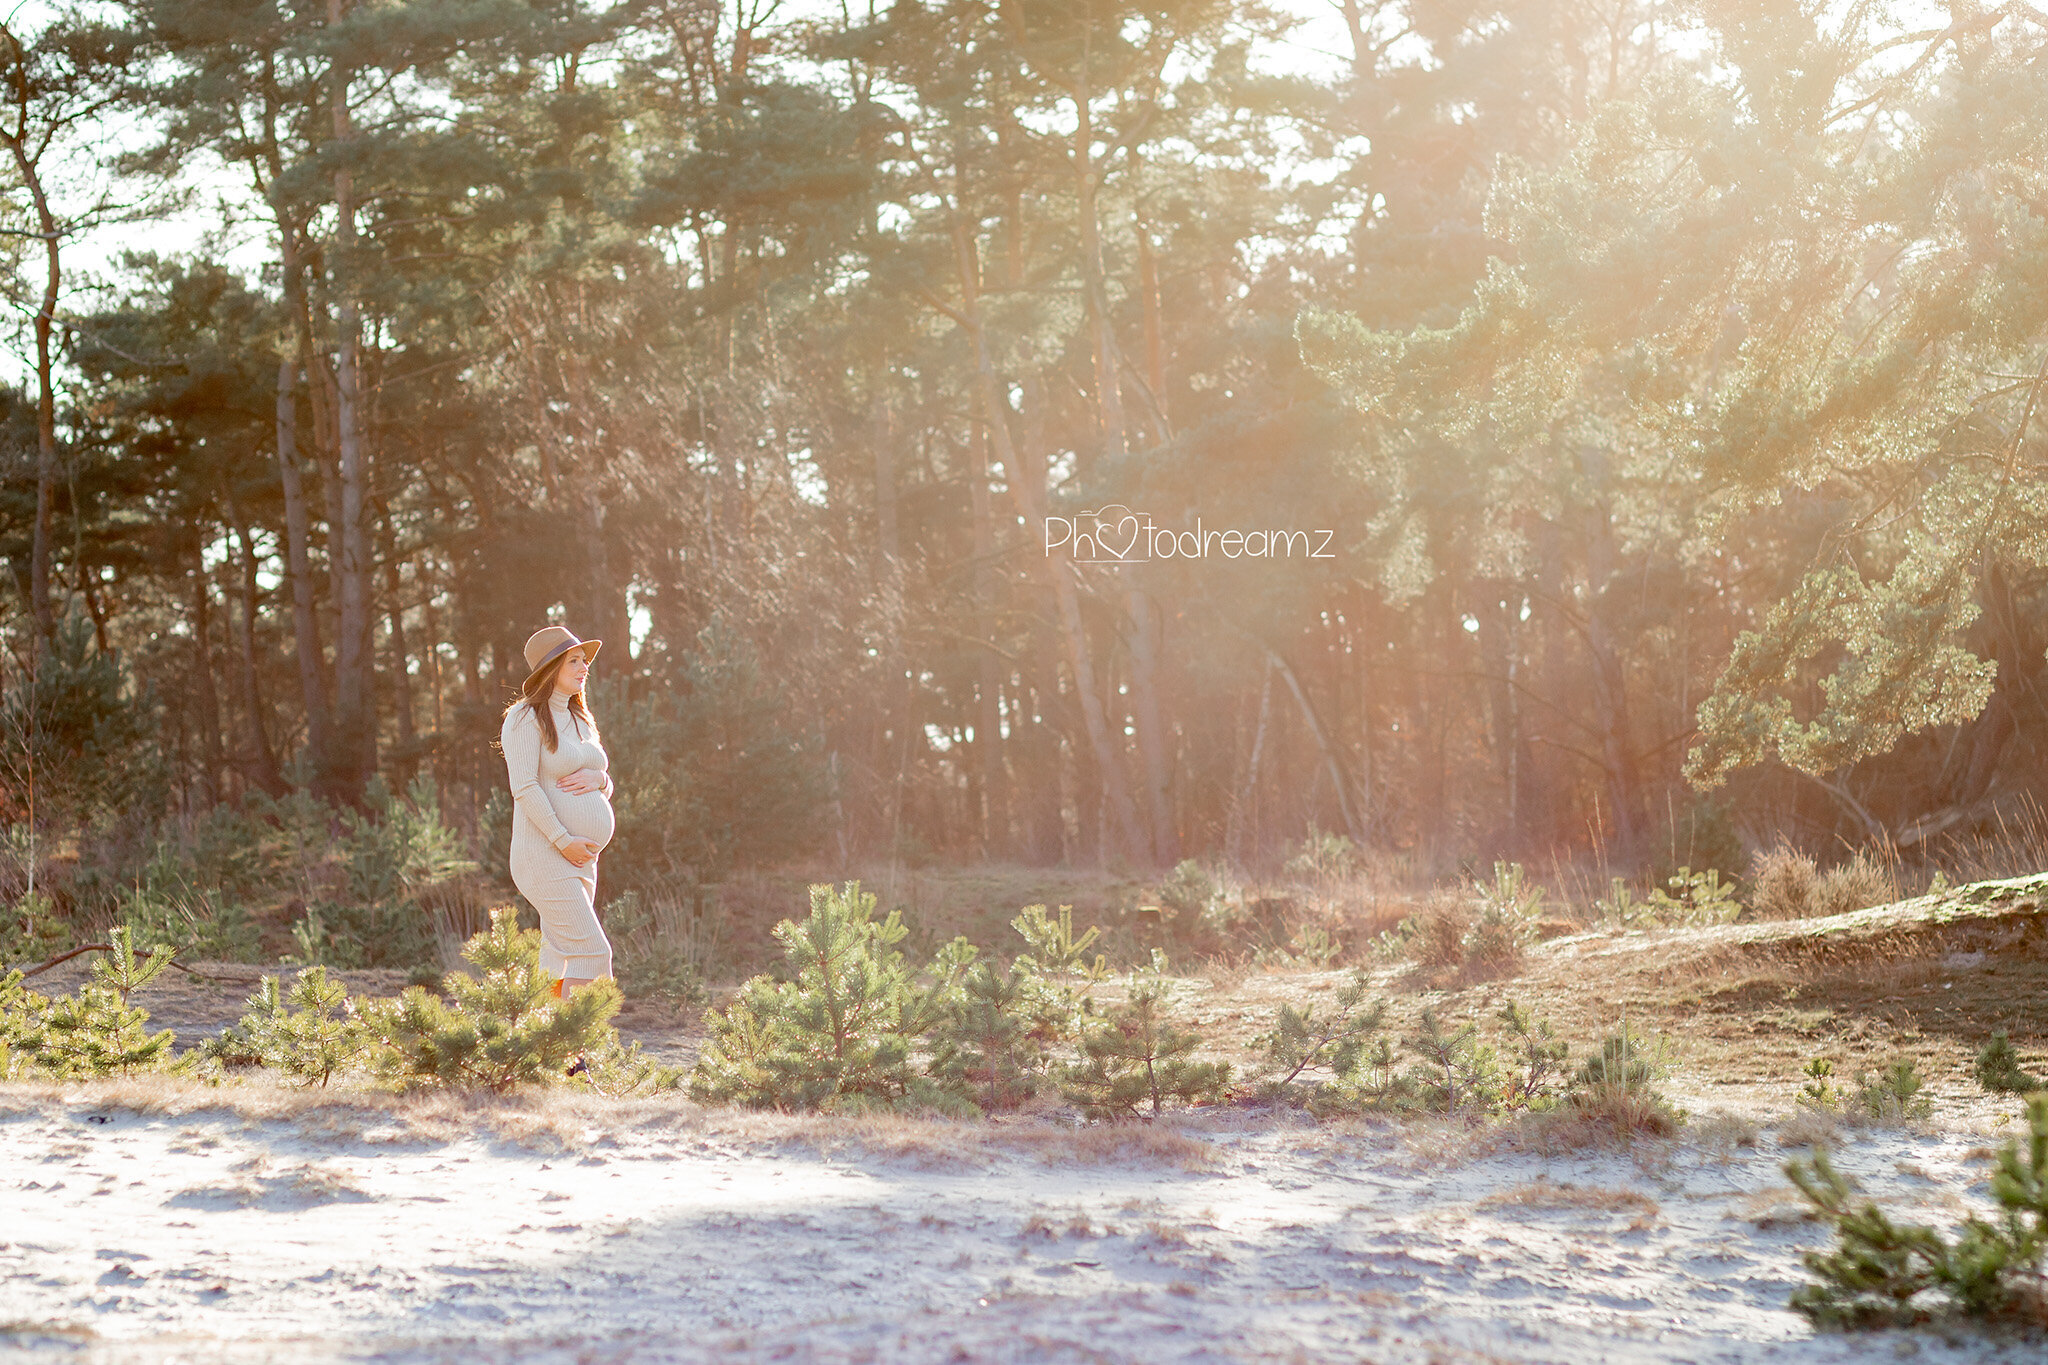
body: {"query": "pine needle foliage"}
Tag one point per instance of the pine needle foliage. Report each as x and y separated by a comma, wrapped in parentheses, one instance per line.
(1307, 1050)
(1617, 1086)
(990, 1049)
(622, 1070)
(1999, 1071)
(838, 1031)
(1884, 1273)
(1134, 1063)
(308, 1032)
(1537, 1060)
(1895, 1095)
(96, 1032)
(504, 1027)
(1456, 1069)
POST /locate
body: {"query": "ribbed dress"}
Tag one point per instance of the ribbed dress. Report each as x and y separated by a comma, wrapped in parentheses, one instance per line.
(547, 818)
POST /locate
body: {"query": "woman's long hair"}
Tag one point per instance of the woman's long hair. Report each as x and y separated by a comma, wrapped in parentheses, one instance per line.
(539, 693)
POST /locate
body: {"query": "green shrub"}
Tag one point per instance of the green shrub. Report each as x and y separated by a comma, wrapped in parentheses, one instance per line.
(1820, 1090)
(94, 1032)
(1307, 1051)
(503, 1027)
(838, 1032)
(1322, 857)
(1195, 896)
(309, 1032)
(1894, 1095)
(1133, 1062)
(1480, 930)
(1687, 898)
(1998, 1069)
(31, 931)
(989, 1048)
(1882, 1273)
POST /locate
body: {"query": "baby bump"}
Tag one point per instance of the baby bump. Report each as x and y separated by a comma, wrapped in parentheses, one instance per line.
(588, 816)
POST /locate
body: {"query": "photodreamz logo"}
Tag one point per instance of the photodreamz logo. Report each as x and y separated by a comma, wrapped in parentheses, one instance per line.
(1117, 535)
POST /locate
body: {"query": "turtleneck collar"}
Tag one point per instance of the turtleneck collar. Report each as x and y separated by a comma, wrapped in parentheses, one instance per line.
(559, 701)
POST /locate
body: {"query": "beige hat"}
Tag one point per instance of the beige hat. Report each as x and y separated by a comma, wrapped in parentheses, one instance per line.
(545, 646)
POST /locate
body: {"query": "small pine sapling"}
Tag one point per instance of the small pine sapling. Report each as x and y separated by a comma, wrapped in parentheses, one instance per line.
(1056, 973)
(1617, 1086)
(20, 1008)
(504, 1025)
(97, 1032)
(1539, 1057)
(987, 1049)
(309, 1032)
(1894, 1095)
(1882, 1273)
(1457, 1069)
(1133, 1062)
(621, 1070)
(1999, 1071)
(1820, 1090)
(839, 1032)
(1324, 1047)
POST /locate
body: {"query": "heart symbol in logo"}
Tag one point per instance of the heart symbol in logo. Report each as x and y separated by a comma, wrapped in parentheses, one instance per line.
(1127, 525)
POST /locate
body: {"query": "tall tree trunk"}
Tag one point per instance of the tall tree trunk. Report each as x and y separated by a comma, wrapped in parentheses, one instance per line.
(206, 700)
(299, 570)
(401, 660)
(1027, 468)
(259, 764)
(989, 746)
(1151, 726)
(18, 142)
(1109, 403)
(1610, 687)
(355, 708)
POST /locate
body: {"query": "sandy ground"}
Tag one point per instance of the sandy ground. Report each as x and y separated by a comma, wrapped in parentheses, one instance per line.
(673, 1235)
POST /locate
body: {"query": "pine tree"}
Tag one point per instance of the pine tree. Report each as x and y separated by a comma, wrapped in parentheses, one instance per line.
(309, 1032)
(839, 1031)
(1457, 1069)
(1539, 1053)
(987, 1048)
(1330, 1045)
(504, 1026)
(1998, 1068)
(1134, 1062)
(96, 1032)
(1883, 1273)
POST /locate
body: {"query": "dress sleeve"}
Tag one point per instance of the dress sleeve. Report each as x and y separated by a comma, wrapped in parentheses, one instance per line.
(521, 741)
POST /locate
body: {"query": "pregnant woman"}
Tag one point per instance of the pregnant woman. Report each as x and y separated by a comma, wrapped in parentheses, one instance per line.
(563, 811)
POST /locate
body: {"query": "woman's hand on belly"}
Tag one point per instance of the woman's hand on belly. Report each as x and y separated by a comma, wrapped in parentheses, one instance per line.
(582, 782)
(579, 852)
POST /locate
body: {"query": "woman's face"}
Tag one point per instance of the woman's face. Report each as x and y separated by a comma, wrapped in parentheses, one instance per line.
(569, 677)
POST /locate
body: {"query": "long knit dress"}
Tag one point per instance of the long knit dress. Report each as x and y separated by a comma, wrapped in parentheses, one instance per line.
(546, 819)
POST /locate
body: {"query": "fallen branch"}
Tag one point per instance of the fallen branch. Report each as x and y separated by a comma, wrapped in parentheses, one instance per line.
(66, 957)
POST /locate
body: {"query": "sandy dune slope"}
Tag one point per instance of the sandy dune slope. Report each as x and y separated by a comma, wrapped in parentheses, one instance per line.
(208, 1236)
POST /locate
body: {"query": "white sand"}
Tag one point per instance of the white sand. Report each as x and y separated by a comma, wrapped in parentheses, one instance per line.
(209, 1237)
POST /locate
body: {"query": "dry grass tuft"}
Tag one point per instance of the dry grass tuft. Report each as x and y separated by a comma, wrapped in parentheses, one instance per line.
(1542, 1193)
(1721, 1132)
(554, 1121)
(1810, 1127)
(1787, 884)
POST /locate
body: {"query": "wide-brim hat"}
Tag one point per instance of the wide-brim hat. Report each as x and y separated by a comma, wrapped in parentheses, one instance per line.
(545, 646)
